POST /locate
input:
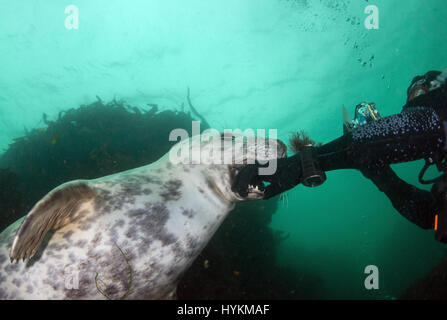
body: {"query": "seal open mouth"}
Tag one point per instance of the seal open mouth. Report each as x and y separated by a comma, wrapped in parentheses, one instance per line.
(248, 184)
(255, 188)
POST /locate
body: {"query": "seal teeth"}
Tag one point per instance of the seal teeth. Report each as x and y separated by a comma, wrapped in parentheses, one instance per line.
(255, 189)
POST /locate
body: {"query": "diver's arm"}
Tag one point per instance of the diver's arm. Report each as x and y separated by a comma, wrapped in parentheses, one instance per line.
(416, 133)
(416, 205)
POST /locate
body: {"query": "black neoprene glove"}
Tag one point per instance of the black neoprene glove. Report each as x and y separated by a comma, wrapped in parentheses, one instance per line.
(286, 176)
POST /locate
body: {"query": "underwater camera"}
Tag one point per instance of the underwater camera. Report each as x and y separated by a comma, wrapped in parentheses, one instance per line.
(365, 113)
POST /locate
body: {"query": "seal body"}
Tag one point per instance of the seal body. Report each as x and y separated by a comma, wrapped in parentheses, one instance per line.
(129, 235)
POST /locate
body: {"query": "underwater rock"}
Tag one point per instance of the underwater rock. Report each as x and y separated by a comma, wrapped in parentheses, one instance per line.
(432, 286)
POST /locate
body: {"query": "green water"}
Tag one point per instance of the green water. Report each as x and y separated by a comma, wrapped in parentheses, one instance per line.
(287, 65)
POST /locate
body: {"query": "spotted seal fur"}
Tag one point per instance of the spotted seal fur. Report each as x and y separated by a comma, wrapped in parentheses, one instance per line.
(127, 235)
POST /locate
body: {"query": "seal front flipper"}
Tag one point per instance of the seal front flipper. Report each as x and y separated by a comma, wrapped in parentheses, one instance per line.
(59, 207)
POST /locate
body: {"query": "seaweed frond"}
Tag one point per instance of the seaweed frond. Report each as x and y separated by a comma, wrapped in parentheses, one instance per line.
(300, 139)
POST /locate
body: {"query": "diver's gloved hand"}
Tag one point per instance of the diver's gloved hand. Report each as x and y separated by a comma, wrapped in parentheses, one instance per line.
(286, 176)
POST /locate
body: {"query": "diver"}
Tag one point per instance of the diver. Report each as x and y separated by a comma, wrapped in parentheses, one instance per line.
(371, 146)
(411, 202)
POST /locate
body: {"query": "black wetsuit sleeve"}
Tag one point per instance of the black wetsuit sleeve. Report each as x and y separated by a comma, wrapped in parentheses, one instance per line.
(416, 133)
(417, 205)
